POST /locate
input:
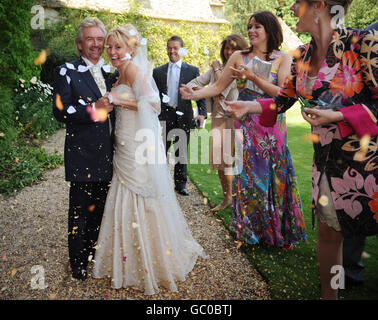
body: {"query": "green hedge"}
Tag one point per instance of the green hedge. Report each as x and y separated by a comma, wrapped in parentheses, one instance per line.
(17, 53)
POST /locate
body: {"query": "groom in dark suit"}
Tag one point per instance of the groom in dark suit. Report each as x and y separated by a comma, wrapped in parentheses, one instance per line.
(78, 102)
(176, 114)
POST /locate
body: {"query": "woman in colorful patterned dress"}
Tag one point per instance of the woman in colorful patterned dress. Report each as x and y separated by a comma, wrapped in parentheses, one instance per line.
(266, 204)
(336, 78)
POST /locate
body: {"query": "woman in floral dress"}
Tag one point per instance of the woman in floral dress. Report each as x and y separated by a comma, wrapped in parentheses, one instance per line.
(266, 204)
(335, 77)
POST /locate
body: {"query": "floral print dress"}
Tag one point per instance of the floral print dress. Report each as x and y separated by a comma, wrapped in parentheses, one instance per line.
(346, 151)
(266, 205)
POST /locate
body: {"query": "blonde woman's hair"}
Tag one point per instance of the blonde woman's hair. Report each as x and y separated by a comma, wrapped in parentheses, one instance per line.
(86, 23)
(126, 35)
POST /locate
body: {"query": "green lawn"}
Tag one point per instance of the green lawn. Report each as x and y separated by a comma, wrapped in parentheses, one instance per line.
(290, 274)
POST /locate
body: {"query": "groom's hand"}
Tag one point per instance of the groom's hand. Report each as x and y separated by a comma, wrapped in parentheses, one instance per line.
(103, 103)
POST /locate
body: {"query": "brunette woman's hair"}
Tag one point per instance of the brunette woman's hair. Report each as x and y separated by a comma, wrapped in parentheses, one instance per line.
(236, 40)
(273, 29)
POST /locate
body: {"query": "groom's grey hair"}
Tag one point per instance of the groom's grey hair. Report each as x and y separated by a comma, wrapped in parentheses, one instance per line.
(86, 23)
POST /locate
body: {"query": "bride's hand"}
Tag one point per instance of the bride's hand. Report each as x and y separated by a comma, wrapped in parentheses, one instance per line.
(187, 93)
(237, 109)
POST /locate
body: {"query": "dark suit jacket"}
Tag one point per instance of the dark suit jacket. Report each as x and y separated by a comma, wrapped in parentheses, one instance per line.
(88, 150)
(187, 74)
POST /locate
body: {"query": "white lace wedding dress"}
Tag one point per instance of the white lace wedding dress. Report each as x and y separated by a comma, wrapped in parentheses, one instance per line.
(144, 240)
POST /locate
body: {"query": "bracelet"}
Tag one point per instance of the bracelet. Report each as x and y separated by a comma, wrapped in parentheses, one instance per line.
(219, 69)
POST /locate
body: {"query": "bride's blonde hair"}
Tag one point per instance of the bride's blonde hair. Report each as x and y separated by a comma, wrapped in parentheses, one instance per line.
(126, 35)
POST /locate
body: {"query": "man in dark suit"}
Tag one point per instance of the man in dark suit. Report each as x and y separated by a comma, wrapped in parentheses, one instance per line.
(176, 114)
(77, 101)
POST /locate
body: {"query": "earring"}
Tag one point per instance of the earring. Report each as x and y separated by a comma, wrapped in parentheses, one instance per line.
(316, 19)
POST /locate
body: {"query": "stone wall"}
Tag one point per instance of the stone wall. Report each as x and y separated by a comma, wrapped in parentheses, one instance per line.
(206, 11)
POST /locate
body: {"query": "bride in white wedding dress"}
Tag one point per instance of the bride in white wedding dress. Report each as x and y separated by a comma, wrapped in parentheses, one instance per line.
(144, 240)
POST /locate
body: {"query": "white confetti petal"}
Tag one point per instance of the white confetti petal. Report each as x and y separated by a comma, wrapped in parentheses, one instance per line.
(71, 110)
(70, 66)
(205, 50)
(143, 42)
(183, 52)
(179, 113)
(106, 68)
(132, 32)
(83, 68)
(127, 57)
(68, 79)
(135, 225)
(81, 101)
(63, 71)
(110, 98)
(165, 98)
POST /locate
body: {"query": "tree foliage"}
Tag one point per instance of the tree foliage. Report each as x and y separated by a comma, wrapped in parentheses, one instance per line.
(59, 38)
(17, 53)
(362, 13)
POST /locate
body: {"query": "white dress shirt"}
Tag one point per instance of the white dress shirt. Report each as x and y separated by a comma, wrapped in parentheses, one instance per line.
(173, 79)
(95, 70)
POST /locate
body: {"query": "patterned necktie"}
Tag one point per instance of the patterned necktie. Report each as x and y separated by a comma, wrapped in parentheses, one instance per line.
(172, 86)
(98, 78)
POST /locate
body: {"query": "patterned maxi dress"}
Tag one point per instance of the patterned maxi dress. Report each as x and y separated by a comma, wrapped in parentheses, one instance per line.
(266, 202)
(347, 82)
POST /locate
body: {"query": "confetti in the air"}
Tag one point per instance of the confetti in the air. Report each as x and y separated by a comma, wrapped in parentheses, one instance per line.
(364, 144)
(41, 59)
(63, 71)
(165, 98)
(59, 103)
(70, 66)
(106, 68)
(205, 50)
(13, 272)
(313, 137)
(71, 110)
(143, 42)
(132, 32)
(183, 52)
(126, 57)
(295, 53)
(323, 200)
(82, 68)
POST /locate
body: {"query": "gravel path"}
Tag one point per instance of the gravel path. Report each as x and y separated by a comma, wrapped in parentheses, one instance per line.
(33, 240)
